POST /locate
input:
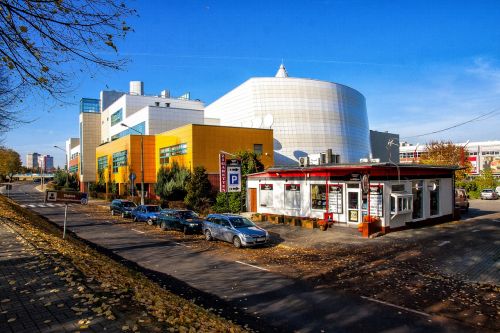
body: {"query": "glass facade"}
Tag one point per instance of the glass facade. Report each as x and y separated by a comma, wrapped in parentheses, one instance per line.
(102, 163)
(119, 159)
(166, 152)
(89, 105)
(141, 128)
(117, 117)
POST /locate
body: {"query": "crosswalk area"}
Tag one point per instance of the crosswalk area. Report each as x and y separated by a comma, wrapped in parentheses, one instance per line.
(43, 205)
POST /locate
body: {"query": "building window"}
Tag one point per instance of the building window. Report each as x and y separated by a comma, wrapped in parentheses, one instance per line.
(102, 163)
(119, 159)
(292, 196)
(318, 196)
(167, 152)
(89, 105)
(116, 117)
(167, 105)
(141, 127)
(257, 148)
(157, 103)
(266, 195)
(418, 198)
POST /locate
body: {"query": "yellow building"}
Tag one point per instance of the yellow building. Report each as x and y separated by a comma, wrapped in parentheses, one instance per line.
(190, 146)
(116, 160)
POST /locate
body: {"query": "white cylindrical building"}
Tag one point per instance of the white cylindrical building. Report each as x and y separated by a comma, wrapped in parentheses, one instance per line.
(307, 116)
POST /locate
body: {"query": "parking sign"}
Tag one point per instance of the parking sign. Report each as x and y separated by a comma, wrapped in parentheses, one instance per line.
(234, 178)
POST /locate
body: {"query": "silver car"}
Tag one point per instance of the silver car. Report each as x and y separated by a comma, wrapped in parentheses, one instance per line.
(234, 229)
(489, 194)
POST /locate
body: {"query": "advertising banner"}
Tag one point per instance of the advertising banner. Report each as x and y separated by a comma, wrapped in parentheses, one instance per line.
(222, 173)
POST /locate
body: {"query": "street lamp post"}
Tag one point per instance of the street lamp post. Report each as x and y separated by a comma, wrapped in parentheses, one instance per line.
(142, 160)
(66, 164)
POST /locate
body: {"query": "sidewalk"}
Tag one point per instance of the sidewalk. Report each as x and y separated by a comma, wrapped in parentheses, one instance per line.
(41, 292)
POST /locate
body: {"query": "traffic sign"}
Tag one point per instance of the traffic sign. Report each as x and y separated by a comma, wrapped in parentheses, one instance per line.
(66, 197)
(132, 176)
(234, 178)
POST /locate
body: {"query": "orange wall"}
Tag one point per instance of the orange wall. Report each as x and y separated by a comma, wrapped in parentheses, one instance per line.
(132, 144)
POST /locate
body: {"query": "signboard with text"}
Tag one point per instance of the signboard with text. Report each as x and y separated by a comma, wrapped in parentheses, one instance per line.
(222, 173)
(66, 197)
(335, 199)
(233, 168)
(376, 200)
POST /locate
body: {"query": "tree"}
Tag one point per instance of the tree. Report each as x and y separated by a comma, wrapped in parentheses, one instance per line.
(449, 154)
(250, 163)
(486, 180)
(199, 190)
(171, 182)
(44, 42)
(10, 163)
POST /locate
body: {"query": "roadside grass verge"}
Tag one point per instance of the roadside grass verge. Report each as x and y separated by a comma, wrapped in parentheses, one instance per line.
(178, 314)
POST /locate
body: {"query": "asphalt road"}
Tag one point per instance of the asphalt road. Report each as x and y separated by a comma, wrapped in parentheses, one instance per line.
(285, 303)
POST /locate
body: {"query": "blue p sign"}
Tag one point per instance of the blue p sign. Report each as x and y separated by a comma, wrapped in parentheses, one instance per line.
(233, 179)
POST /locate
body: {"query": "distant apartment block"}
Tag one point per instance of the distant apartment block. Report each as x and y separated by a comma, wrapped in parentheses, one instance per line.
(32, 160)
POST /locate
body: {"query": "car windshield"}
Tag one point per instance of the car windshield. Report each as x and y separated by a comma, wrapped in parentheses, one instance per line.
(241, 222)
(153, 208)
(129, 204)
(188, 214)
(487, 191)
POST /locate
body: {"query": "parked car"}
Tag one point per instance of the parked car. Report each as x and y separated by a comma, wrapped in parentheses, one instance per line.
(488, 194)
(498, 190)
(186, 221)
(461, 199)
(123, 207)
(148, 213)
(234, 229)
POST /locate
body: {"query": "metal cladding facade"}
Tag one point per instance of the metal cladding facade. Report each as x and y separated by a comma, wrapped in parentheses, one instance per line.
(307, 116)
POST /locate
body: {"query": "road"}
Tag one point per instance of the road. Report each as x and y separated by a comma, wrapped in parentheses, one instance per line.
(288, 304)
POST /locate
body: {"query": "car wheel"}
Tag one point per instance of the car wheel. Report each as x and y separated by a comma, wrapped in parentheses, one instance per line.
(150, 222)
(163, 226)
(123, 215)
(237, 242)
(208, 235)
(185, 230)
(113, 212)
(135, 219)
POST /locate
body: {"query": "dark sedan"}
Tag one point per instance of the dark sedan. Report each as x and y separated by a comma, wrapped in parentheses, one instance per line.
(186, 221)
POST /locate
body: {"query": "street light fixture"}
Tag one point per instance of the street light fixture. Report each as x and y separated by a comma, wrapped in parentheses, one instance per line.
(142, 160)
(65, 155)
(66, 164)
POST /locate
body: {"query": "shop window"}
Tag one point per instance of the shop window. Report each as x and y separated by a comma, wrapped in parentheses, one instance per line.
(318, 197)
(335, 202)
(266, 195)
(292, 196)
(401, 203)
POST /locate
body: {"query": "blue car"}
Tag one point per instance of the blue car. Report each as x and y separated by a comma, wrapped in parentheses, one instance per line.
(146, 213)
(234, 229)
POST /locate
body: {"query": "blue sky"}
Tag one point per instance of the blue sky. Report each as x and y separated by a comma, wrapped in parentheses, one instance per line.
(422, 65)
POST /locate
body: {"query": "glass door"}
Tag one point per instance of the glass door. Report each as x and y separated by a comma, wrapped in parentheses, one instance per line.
(353, 203)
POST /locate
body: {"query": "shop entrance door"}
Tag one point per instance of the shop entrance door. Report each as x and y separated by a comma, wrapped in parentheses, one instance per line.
(353, 203)
(252, 199)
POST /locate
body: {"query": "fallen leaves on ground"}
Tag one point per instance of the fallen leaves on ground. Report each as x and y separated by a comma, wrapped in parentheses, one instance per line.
(178, 314)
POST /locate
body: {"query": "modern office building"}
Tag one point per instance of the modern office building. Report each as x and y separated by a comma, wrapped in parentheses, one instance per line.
(46, 163)
(101, 120)
(307, 116)
(482, 155)
(189, 145)
(73, 154)
(32, 160)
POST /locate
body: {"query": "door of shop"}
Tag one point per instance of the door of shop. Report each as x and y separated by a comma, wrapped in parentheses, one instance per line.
(252, 199)
(353, 203)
